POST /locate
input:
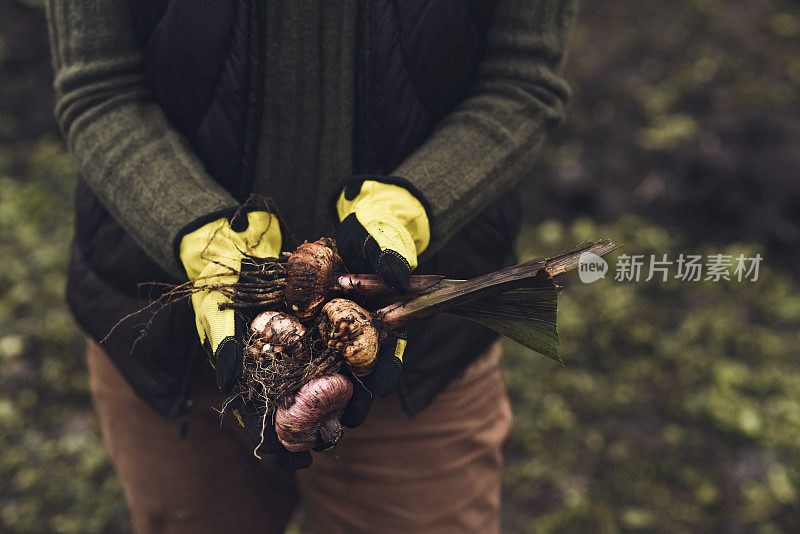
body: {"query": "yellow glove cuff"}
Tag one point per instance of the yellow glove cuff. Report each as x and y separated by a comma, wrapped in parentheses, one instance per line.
(393, 216)
(217, 243)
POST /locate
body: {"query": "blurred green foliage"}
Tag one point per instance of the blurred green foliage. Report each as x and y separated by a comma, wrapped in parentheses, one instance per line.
(55, 472)
(686, 112)
(678, 408)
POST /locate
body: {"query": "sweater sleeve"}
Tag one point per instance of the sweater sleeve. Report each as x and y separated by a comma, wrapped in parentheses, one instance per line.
(140, 167)
(490, 140)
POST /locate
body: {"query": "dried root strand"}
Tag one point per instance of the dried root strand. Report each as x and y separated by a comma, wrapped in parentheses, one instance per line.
(260, 285)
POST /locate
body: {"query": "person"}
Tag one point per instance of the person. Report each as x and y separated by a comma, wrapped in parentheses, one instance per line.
(399, 128)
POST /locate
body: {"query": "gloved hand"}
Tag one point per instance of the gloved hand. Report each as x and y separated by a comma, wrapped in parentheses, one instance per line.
(380, 382)
(383, 228)
(211, 255)
(251, 416)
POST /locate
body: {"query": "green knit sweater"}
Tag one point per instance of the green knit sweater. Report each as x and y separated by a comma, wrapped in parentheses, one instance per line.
(149, 179)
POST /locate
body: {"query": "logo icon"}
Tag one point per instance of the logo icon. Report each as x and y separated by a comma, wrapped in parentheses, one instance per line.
(591, 267)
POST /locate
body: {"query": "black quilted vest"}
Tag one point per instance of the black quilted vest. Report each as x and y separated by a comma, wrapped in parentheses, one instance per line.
(205, 60)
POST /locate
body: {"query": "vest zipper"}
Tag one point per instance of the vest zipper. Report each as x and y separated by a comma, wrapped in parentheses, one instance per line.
(359, 147)
(255, 100)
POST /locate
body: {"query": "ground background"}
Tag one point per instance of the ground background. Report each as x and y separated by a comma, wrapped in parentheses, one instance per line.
(678, 409)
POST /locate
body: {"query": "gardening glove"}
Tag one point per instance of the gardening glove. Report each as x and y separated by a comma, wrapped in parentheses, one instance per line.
(212, 255)
(383, 228)
(251, 416)
(380, 382)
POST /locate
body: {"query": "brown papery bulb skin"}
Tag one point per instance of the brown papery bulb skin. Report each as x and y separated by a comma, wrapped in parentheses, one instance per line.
(348, 328)
(278, 332)
(313, 417)
(310, 273)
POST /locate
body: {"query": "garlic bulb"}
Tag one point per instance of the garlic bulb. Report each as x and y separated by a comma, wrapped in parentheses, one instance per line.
(313, 417)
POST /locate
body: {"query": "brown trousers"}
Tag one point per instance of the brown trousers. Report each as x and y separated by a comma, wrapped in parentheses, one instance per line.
(438, 472)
